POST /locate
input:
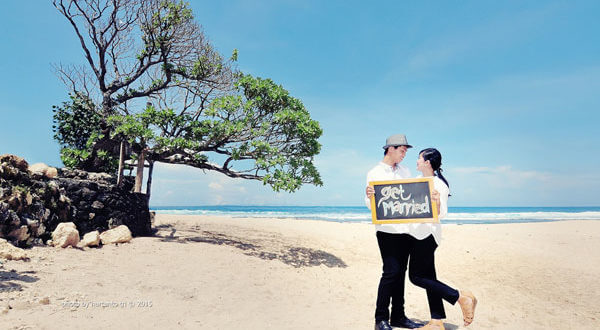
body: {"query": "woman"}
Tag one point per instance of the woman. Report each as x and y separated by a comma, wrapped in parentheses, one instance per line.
(422, 263)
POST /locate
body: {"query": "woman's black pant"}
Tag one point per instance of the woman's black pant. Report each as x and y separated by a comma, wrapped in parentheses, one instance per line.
(421, 272)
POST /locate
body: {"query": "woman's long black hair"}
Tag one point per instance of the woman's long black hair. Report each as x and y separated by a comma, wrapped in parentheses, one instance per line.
(435, 159)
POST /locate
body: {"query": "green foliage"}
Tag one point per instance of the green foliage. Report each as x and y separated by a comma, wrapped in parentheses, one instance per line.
(171, 14)
(77, 128)
(73, 158)
(261, 127)
(283, 139)
(75, 121)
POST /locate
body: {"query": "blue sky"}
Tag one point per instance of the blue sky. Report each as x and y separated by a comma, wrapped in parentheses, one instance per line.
(508, 91)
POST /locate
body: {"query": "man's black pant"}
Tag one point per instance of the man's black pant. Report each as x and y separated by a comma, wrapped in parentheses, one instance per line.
(394, 249)
(422, 273)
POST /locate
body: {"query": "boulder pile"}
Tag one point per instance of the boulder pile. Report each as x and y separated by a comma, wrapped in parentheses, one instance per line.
(35, 199)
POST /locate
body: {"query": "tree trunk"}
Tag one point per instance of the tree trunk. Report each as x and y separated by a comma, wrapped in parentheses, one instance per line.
(149, 182)
(121, 163)
(139, 175)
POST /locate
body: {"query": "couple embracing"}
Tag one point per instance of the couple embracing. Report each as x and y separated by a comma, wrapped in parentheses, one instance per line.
(413, 245)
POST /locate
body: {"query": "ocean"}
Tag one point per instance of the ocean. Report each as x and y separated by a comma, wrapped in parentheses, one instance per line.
(456, 215)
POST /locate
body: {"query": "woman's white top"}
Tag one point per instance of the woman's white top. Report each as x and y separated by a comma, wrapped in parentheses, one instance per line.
(422, 230)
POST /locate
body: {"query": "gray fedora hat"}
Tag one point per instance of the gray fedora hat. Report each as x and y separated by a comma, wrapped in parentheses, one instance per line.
(396, 140)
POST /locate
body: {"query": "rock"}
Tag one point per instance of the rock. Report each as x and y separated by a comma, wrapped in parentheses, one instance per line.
(45, 301)
(38, 169)
(4, 208)
(43, 170)
(15, 161)
(64, 199)
(65, 234)
(19, 234)
(97, 205)
(114, 222)
(10, 252)
(51, 173)
(46, 214)
(99, 176)
(14, 201)
(120, 234)
(28, 198)
(13, 218)
(41, 230)
(87, 194)
(90, 239)
(53, 186)
(32, 222)
(37, 241)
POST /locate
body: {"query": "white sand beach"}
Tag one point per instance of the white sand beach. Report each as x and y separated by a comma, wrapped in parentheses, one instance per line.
(215, 272)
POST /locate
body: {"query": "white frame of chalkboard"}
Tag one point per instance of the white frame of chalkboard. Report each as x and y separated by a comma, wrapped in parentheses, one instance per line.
(434, 210)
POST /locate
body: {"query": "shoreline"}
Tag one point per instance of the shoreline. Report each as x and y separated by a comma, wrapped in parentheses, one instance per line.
(263, 273)
(368, 222)
(360, 214)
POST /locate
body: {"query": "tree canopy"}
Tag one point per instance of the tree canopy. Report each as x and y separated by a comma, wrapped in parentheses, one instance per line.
(158, 83)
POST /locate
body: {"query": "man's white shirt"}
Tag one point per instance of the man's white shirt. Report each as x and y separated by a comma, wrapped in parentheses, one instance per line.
(385, 172)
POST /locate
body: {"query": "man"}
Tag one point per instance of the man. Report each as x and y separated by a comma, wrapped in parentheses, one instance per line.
(394, 241)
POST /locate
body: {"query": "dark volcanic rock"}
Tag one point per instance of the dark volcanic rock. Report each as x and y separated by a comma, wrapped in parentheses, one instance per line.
(31, 207)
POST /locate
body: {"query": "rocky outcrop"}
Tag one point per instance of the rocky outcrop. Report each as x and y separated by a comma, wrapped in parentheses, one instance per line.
(33, 201)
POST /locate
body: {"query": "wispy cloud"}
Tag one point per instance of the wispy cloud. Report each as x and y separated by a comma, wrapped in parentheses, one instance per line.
(215, 186)
(503, 31)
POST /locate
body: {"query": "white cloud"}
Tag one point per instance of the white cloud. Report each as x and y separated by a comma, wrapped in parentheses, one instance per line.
(501, 31)
(215, 186)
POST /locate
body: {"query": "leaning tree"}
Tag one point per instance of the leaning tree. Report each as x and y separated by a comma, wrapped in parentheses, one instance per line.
(160, 86)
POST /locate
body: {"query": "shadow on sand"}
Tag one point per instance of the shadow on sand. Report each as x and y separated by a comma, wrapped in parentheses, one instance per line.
(8, 279)
(295, 256)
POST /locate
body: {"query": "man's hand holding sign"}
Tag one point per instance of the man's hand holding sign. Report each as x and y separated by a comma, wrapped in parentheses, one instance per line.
(403, 201)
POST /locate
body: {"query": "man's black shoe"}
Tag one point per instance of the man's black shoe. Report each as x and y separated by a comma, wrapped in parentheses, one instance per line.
(382, 325)
(406, 323)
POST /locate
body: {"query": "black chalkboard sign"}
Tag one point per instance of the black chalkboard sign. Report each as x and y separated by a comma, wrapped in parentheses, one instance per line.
(401, 201)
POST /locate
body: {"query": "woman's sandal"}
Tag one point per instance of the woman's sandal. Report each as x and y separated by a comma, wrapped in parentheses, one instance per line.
(468, 310)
